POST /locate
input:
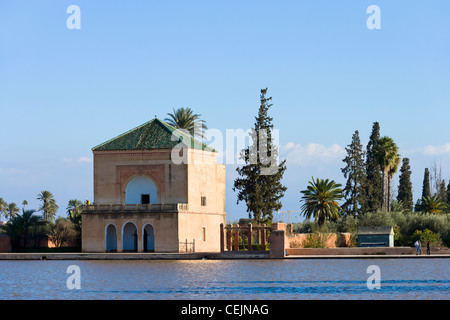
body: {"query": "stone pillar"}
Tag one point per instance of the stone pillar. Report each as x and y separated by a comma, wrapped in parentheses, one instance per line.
(119, 238)
(277, 249)
(236, 240)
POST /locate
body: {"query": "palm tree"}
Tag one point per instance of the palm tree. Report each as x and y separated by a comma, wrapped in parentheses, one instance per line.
(22, 226)
(11, 210)
(24, 203)
(3, 205)
(74, 209)
(386, 153)
(321, 200)
(433, 204)
(49, 206)
(185, 118)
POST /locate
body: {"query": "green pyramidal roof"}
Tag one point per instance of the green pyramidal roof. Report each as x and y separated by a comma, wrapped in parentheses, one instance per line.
(154, 134)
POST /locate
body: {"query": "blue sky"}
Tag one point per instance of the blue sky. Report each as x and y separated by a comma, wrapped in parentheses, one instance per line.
(64, 91)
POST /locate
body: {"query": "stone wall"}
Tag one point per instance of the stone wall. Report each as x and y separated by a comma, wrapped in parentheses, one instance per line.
(330, 240)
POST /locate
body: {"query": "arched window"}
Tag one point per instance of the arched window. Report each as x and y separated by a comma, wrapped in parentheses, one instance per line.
(141, 190)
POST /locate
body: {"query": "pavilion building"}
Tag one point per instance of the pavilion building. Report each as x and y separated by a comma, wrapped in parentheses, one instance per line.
(156, 189)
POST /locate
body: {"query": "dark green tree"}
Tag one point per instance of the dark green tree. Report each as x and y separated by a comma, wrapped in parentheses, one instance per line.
(259, 182)
(355, 173)
(185, 118)
(448, 193)
(442, 192)
(320, 201)
(426, 187)
(48, 206)
(374, 180)
(405, 194)
(386, 152)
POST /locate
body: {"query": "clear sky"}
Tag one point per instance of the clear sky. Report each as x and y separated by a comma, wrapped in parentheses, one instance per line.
(65, 91)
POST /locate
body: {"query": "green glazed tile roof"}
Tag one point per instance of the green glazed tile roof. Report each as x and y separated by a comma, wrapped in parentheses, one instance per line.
(154, 134)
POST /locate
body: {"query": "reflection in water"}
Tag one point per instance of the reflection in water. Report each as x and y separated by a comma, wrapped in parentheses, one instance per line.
(227, 279)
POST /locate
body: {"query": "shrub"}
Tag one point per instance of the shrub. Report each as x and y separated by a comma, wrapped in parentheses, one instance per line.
(425, 236)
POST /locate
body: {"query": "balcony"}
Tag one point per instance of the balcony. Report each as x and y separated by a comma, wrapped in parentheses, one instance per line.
(135, 208)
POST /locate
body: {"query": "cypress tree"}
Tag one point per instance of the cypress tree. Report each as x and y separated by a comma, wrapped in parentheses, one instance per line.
(426, 187)
(259, 182)
(374, 180)
(442, 193)
(405, 193)
(448, 194)
(355, 174)
(426, 190)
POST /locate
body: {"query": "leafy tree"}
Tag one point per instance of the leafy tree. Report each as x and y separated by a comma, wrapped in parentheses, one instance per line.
(374, 181)
(11, 211)
(185, 118)
(259, 182)
(405, 193)
(386, 153)
(320, 200)
(355, 173)
(48, 206)
(62, 232)
(24, 204)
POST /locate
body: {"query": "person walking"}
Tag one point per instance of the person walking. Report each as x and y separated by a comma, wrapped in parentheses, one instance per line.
(420, 247)
(428, 248)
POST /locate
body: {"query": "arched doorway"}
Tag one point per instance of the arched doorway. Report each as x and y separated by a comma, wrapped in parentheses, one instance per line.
(111, 238)
(141, 190)
(129, 237)
(148, 238)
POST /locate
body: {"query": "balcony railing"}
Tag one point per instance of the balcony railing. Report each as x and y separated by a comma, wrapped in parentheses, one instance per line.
(159, 207)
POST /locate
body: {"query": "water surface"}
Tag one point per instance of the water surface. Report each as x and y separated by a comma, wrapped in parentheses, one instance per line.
(421, 279)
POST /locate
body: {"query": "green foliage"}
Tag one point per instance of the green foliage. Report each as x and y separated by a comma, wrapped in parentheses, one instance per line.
(49, 208)
(374, 181)
(185, 118)
(62, 232)
(22, 228)
(386, 153)
(433, 205)
(317, 240)
(405, 194)
(259, 183)
(404, 224)
(426, 187)
(320, 200)
(378, 218)
(424, 236)
(355, 173)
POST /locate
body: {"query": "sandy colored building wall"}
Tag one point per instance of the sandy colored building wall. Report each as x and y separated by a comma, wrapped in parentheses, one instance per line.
(203, 227)
(165, 226)
(113, 170)
(206, 179)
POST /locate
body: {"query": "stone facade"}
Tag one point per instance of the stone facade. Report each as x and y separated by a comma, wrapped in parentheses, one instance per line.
(177, 203)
